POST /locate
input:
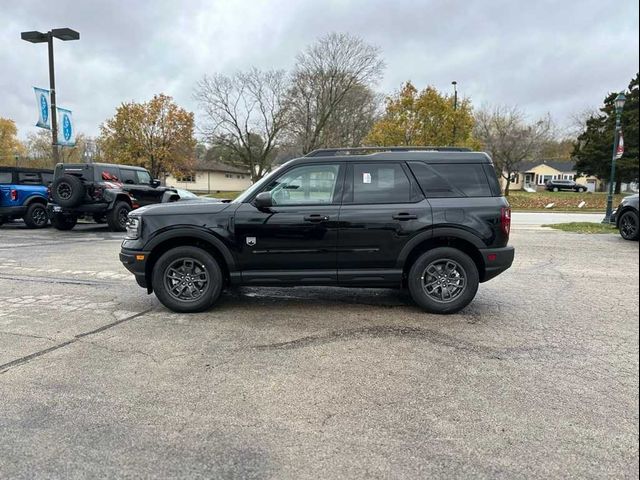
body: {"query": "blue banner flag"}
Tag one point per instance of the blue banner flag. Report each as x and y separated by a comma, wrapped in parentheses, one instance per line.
(66, 130)
(44, 109)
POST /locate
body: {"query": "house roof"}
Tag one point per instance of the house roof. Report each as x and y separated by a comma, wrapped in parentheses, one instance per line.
(561, 166)
(208, 166)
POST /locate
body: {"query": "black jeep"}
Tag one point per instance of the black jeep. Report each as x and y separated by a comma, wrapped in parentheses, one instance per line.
(103, 191)
(432, 220)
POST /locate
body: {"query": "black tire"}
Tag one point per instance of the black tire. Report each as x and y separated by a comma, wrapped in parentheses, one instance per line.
(67, 191)
(63, 222)
(628, 225)
(99, 218)
(428, 280)
(36, 216)
(117, 217)
(177, 269)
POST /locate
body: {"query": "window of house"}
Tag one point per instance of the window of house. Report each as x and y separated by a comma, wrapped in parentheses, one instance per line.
(567, 177)
(189, 177)
(543, 179)
(305, 185)
(452, 180)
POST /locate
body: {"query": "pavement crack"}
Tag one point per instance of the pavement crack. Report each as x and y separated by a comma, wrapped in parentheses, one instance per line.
(27, 358)
(27, 335)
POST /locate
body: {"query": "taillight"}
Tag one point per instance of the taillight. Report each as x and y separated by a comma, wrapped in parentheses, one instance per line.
(505, 220)
(14, 195)
(98, 190)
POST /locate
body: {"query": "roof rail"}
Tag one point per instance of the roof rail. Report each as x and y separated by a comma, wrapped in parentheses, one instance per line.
(332, 152)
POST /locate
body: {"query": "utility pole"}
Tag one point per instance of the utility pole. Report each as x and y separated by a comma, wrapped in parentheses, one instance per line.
(455, 110)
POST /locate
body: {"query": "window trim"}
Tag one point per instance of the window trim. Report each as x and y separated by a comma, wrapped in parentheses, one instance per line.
(337, 195)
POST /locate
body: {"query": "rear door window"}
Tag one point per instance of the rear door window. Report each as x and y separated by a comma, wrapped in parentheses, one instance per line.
(128, 176)
(452, 180)
(29, 178)
(6, 177)
(380, 183)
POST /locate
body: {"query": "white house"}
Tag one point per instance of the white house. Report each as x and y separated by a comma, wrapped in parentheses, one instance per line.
(534, 175)
(212, 177)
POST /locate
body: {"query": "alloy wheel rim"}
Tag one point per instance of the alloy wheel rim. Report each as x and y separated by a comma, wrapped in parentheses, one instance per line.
(444, 280)
(39, 216)
(186, 279)
(628, 226)
(122, 217)
(64, 191)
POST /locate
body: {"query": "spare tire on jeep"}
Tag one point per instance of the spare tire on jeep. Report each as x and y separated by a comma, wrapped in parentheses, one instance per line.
(67, 191)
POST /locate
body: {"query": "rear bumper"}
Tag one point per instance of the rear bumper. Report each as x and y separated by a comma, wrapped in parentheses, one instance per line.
(87, 208)
(136, 262)
(496, 261)
(18, 211)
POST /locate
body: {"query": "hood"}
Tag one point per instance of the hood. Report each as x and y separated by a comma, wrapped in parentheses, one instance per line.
(181, 208)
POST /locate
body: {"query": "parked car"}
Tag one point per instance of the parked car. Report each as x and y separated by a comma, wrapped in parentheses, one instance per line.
(430, 220)
(625, 218)
(103, 191)
(558, 185)
(23, 194)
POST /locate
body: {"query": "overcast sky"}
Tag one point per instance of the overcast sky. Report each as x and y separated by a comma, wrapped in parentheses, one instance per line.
(560, 57)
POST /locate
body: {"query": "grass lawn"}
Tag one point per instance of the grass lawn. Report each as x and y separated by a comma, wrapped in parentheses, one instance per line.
(564, 201)
(227, 195)
(583, 227)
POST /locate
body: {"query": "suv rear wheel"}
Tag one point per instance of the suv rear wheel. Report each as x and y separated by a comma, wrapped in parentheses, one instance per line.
(117, 217)
(36, 216)
(187, 279)
(443, 280)
(63, 222)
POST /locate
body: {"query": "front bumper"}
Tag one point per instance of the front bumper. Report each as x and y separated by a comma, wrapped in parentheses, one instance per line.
(136, 262)
(496, 261)
(10, 212)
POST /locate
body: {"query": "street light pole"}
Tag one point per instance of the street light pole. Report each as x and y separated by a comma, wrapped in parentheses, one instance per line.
(455, 109)
(618, 105)
(64, 34)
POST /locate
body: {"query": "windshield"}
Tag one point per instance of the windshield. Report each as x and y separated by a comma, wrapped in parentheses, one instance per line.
(256, 186)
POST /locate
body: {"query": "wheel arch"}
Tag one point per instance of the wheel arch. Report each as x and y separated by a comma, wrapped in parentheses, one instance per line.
(189, 237)
(626, 209)
(35, 199)
(442, 237)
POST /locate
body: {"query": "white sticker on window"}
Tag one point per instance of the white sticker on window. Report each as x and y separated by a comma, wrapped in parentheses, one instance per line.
(366, 178)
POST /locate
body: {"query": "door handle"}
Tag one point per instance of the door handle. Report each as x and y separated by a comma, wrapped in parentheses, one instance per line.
(316, 217)
(404, 216)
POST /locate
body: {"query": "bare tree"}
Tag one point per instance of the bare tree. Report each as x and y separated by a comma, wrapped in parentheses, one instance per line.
(325, 74)
(245, 114)
(509, 139)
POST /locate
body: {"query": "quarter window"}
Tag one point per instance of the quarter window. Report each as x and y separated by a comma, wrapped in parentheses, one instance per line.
(452, 179)
(29, 178)
(307, 185)
(380, 183)
(6, 177)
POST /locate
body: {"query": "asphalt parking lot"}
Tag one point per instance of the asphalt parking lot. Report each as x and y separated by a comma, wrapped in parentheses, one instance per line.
(537, 378)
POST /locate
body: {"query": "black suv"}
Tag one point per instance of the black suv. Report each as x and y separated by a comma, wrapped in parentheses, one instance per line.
(558, 185)
(432, 220)
(625, 218)
(103, 191)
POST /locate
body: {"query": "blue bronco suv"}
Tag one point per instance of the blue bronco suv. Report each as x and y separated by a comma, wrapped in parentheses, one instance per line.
(23, 194)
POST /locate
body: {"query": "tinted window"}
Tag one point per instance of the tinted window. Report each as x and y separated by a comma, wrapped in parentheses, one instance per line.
(6, 177)
(47, 178)
(29, 178)
(452, 180)
(308, 185)
(144, 177)
(380, 183)
(128, 176)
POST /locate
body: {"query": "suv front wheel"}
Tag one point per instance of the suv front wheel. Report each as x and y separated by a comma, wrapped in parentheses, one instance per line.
(187, 279)
(117, 217)
(443, 280)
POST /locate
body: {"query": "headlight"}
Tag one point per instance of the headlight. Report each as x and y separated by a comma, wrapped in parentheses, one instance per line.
(134, 226)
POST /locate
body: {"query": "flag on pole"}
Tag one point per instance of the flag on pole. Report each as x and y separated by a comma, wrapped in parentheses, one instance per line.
(44, 110)
(620, 148)
(66, 130)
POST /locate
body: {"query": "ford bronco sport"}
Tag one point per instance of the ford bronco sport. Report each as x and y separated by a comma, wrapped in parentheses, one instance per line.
(23, 194)
(104, 191)
(432, 220)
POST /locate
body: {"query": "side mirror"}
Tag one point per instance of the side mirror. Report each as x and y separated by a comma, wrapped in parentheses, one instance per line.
(263, 201)
(155, 183)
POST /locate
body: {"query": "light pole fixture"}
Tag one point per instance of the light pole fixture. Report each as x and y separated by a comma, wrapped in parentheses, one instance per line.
(455, 109)
(64, 34)
(618, 104)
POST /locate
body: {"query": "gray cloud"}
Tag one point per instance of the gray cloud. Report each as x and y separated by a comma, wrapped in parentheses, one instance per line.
(546, 56)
